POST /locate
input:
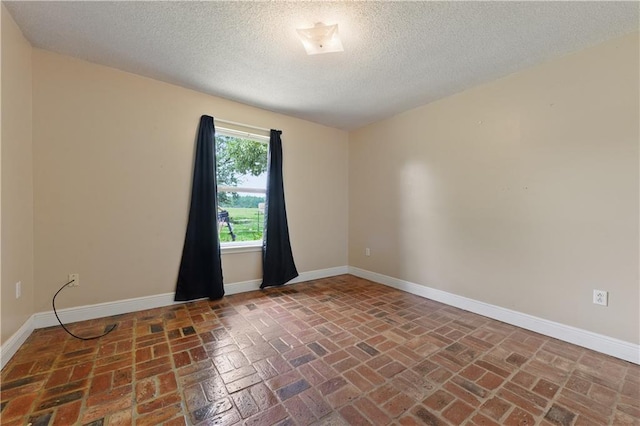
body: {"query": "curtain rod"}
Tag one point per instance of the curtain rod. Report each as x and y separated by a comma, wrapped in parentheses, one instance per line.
(235, 123)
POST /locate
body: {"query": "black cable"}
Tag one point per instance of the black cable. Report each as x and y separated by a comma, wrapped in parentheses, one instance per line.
(53, 302)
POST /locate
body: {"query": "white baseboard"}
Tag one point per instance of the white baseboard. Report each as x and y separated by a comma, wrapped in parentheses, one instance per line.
(597, 342)
(101, 310)
(587, 339)
(244, 286)
(13, 343)
(320, 273)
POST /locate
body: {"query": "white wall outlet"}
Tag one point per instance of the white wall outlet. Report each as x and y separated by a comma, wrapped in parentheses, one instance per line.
(601, 297)
(367, 252)
(76, 280)
(18, 289)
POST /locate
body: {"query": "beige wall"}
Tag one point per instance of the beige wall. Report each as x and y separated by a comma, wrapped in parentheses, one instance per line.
(2, 339)
(113, 156)
(17, 179)
(522, 193)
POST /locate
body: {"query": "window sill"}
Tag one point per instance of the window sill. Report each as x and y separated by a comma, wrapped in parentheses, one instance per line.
(244, 247)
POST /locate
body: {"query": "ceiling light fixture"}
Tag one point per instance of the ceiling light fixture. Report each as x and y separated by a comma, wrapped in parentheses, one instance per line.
(320, 39)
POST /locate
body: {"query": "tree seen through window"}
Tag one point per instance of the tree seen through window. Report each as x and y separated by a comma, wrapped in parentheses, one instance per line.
(242, 180)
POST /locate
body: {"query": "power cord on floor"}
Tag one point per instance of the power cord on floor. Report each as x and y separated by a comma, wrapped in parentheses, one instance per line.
(53, 302)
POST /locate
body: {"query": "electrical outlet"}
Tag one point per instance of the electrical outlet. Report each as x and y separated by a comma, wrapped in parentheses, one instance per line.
(18, 289)
(367, 252)
(600, 297)
(76, 280)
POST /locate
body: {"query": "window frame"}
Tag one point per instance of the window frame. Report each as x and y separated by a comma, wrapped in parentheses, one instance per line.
(241, 246)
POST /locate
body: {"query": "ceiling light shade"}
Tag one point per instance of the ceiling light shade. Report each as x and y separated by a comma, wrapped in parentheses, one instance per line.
(320, 39)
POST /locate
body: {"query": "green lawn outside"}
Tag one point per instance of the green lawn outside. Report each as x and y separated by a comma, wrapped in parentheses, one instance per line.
(247, 224)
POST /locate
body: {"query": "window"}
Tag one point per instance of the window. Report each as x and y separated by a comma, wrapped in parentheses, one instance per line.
(241, 167)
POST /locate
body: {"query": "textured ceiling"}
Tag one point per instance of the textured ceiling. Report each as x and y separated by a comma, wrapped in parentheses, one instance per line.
(398, 55)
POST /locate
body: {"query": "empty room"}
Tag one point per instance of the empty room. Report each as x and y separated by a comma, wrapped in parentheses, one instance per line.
(320, 213)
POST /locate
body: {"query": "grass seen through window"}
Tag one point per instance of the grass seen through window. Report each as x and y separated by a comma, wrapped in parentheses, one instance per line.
(247, 224)
(241, 172)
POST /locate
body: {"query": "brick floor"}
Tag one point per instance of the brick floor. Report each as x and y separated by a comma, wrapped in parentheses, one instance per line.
(335, 351)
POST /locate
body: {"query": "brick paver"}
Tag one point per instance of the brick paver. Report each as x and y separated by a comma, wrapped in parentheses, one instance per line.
(341, 350)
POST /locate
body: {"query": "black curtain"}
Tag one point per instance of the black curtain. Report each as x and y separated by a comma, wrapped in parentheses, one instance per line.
(201, 267)
(277, 259)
